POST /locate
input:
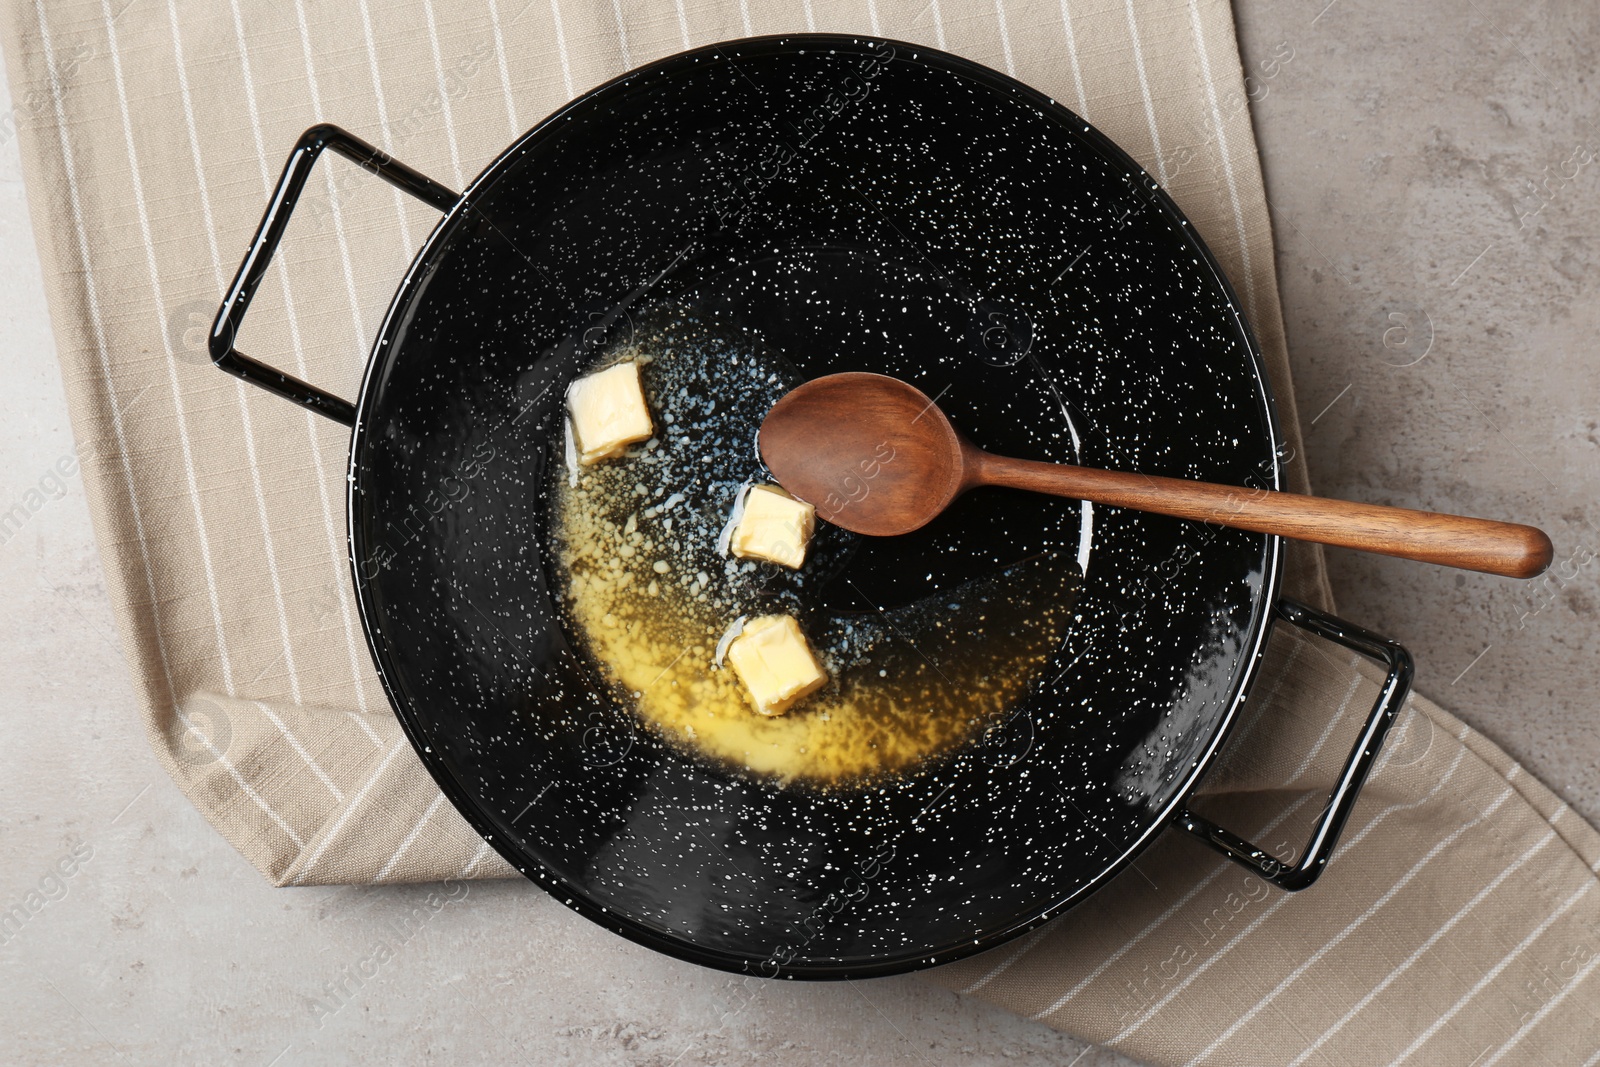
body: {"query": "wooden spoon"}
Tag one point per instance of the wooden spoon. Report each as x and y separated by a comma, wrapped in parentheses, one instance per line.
(876, 456)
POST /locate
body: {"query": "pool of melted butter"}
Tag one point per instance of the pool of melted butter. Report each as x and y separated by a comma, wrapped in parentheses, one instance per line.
(650, 596)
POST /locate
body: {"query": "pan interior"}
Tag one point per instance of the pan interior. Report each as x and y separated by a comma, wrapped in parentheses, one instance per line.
(820, 204)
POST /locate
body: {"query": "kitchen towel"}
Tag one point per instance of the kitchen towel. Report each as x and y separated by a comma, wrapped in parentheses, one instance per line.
(1456, 925)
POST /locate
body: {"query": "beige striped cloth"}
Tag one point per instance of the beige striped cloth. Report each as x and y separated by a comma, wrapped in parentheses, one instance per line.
(1457, 925)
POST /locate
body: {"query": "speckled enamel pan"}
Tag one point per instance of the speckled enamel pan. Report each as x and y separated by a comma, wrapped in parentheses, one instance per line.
(850, 204)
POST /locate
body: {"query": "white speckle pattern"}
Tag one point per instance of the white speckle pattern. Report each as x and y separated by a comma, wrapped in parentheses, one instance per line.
(839, 204)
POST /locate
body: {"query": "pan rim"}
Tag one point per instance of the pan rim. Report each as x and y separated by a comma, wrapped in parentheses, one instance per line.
(573, 897)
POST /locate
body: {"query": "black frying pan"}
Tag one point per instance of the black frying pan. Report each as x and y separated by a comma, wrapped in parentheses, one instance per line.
(838, 203)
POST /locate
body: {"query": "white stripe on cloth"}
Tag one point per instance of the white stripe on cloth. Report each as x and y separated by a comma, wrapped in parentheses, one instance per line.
(295, 744)
(337, 210)
(1333, 721)
(1194, 891)
(186, 448)
(337, 577)
(356, 319)
(238, 780)
(335, 200)
(1411, 713)
(872, 17)
(1373, 993)
(1541, 1014)
(1556, 815)
(405, 846)
(1227, 160)
(623, 54)
(336, 549)
(500, 55)
(240, 388)
(938, 22)
(477, 858)
(335, 207)
(1075, 990)
(102, 348)
(1172, 910)
(1281, 901)
(1266, 705)
(1072, 56)
(683, 22)
(349, 809)
(1494, 972)
(1005, 36)
(561, 47)
(403, 229)
(1144, 90)
(1022, 949)
(445, 107)
(1561, 809)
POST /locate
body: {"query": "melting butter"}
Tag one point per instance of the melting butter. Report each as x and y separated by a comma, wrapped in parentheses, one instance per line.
(650, 596)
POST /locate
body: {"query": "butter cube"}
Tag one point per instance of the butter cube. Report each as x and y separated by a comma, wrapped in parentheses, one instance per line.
(608, 412)
(775, 663)
(774, 526)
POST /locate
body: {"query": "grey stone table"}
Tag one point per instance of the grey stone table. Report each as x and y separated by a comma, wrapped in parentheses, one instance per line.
(1431, 176)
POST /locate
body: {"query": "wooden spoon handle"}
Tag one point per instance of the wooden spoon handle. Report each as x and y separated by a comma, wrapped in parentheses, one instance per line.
(1504, 548)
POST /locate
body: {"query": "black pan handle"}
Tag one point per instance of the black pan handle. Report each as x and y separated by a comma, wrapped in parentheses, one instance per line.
(1325, 835)
(276, 219)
